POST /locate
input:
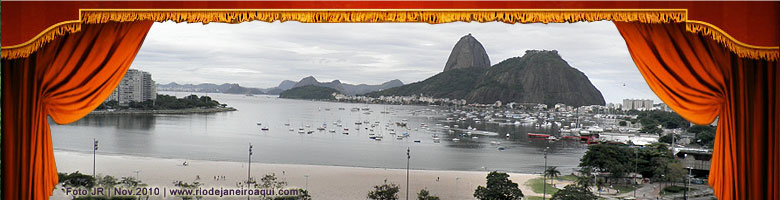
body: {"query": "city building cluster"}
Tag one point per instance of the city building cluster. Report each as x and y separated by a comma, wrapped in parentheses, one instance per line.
(406, 100)
(136, 86)
(637, 104)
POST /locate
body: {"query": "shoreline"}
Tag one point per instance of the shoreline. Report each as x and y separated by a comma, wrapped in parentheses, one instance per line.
(323, 182)
(167, 111)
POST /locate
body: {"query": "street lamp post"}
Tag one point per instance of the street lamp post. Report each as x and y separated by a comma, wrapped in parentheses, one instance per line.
(136, 174)
(93, 156)
(688, 185)
(249, 169)
(544, 174)
(307, 182)
(636, 167)
(456, 183)
(408, 157)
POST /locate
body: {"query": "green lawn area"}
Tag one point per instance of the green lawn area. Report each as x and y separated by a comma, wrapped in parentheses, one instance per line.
(624, 188)
(674, 189)
(567, 177)
(538, 187)
(532, 198)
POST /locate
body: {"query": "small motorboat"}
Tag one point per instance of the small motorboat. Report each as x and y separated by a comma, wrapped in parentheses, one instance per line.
(264, 128)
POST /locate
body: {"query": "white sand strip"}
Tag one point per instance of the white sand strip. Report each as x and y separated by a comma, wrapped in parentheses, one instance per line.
(324, 182)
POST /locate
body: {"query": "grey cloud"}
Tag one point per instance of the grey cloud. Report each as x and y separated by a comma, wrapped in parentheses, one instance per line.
(259, 54)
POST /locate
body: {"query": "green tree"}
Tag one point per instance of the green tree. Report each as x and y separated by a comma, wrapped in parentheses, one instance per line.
(302, 195)
(107, 181)
(653, 160)
(668, 138)
(270, 181)
(705, 135)
(76, 179)
(384, 192)
(651, 128)
(553, 173)
(130, 182)
(622, 123)
(425, 195)
(574, 192)
(585, 179)
(669, 120)
(185, 185)
(171, 102)
(499, 187)
(675, 172)
(610, 158)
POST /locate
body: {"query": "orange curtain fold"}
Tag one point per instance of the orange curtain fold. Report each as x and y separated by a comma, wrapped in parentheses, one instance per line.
(701, 80)
(66, 79)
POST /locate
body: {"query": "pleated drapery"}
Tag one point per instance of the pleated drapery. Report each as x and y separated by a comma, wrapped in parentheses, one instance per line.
(66, 79)
(700, 79)
(693, 74)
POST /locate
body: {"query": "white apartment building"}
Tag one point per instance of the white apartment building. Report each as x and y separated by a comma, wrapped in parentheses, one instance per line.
(136, 86)
(637, 104)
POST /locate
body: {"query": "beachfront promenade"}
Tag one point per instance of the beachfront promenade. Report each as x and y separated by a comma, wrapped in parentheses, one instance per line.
(324, 182)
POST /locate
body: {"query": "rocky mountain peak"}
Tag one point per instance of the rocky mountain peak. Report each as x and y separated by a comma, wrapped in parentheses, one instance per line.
(468, 52)
(309, 80)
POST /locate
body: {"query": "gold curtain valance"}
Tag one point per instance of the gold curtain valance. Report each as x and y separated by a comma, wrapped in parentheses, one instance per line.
(511, 16)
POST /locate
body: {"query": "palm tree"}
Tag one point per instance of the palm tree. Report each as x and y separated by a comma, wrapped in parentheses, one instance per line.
(552, 172)
(584, 179)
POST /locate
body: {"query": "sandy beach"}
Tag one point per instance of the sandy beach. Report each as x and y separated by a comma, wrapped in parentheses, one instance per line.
(324, 182)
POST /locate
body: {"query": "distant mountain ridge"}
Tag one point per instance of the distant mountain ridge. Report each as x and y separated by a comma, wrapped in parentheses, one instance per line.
(349, 89)
(233, 88)
(229, 88)
(309, 92)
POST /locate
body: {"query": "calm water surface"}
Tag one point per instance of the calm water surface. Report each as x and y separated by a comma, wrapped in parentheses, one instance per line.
(226, 136)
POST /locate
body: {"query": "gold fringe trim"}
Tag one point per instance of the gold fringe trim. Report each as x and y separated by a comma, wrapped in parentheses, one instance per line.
(25, 49)
(373, 16)
(734, 45)
(437, 16)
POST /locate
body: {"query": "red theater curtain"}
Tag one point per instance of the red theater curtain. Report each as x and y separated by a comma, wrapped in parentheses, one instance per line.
(66, 79)
(700, 79)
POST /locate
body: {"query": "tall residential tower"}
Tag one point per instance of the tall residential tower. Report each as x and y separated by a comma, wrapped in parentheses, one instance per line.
(136, 86)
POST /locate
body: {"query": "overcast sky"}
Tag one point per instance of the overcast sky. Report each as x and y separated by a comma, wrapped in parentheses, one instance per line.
(259, 54)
